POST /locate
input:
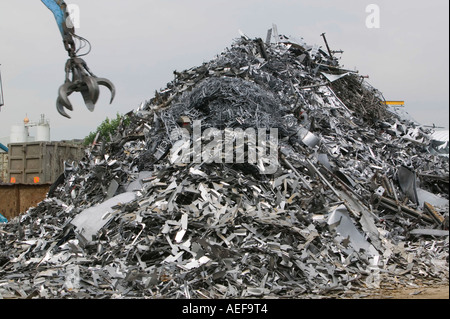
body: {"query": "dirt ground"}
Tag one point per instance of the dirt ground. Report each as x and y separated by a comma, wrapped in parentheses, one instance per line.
(434, 292)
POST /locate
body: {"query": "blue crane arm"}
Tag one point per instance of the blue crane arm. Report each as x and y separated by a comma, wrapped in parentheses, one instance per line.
(58, 9)
(3, 147)
(78, 76)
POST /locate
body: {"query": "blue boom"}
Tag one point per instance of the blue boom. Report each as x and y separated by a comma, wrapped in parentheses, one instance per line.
(58, 8)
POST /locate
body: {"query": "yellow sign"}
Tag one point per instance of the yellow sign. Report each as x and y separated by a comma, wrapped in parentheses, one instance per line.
(395, 103)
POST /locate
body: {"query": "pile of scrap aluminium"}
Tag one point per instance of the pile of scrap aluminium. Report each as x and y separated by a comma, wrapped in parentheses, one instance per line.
(335, 219)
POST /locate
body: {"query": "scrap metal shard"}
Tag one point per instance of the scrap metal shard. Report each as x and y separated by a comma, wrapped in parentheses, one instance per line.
(340, 221)
(91, 220)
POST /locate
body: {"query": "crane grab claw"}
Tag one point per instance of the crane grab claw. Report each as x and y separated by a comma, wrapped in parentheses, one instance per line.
(80, 79)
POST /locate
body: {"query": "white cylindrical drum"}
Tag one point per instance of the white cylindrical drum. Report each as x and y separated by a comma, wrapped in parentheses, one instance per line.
(19, 134)
(43, 133)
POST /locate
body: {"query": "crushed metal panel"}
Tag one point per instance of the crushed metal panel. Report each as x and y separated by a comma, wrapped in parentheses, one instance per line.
(334, 77)
(91, 220)
(137, 184)
(340, 220)
(429, 232)
(407, 181)
(424, 196)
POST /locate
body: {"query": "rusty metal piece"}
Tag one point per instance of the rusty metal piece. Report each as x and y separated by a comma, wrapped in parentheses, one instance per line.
(437, 217)
(391, 204)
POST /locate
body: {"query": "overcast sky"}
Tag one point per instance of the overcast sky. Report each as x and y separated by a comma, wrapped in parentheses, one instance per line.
(138, 44)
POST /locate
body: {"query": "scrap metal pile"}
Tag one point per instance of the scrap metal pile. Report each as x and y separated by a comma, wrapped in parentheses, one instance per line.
(358, 199)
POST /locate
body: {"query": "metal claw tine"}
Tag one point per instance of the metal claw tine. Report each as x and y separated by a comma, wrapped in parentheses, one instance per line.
(60, 108)
(89, 104)
(109, 85)
(87, 96)
(64, 91)
(93, 91)
(90, 92)
(83, 81)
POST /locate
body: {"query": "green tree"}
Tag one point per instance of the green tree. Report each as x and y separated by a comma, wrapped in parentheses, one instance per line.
(106, 129)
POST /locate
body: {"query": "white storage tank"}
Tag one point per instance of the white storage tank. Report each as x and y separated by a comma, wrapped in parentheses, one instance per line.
(43, 133)
(43, 130)
(19, 134)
